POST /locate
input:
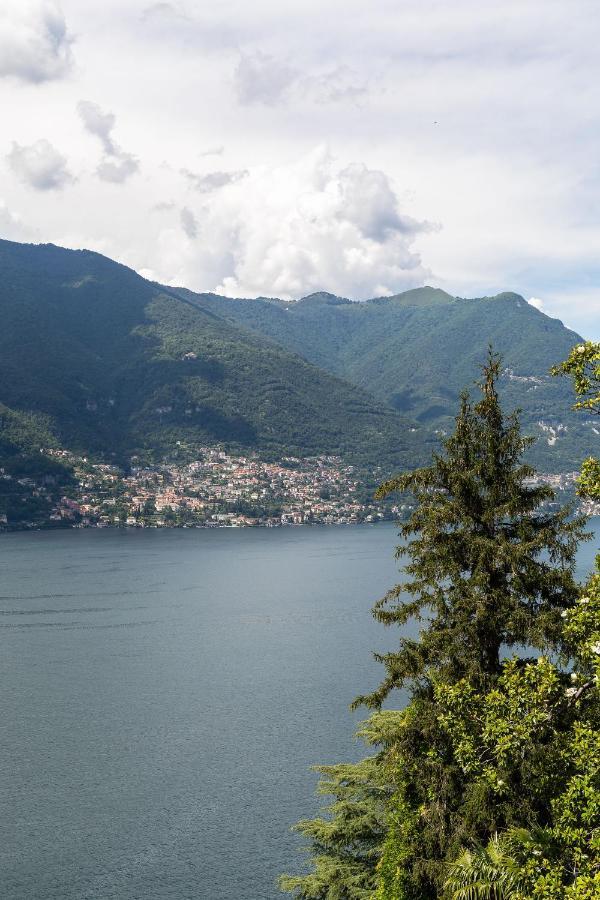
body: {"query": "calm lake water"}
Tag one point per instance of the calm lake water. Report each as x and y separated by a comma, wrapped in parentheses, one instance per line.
(163, 695)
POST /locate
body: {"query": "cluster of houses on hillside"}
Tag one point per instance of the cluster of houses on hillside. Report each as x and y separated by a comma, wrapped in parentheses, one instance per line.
(220, 489)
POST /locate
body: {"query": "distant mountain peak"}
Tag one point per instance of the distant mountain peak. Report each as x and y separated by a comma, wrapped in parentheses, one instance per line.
(323, 298)
(423, 296)
(509, 295)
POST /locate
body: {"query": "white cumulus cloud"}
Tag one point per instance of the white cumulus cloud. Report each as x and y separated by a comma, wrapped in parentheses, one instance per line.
(297, 228)
(35, 45)
(40, 165)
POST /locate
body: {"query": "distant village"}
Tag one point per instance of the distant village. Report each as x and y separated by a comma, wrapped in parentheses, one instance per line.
(219, 489)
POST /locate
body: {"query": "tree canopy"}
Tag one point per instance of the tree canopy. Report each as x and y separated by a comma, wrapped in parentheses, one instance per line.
(485, 784)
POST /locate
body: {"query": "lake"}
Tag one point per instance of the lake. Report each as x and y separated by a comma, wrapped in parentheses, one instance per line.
(164, 694)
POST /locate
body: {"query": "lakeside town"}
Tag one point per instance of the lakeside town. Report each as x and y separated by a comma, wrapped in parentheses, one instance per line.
(219, 489)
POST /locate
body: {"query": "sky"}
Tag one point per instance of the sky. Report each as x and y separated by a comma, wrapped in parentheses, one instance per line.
(280, 148)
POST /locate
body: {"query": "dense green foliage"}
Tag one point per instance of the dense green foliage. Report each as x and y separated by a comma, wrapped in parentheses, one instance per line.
(583, 366)
(487, 745)
(541, 712)
(119, 365)
(489, 567)
(346, 841)
(418, 349)
(545, 723)
(22, 436)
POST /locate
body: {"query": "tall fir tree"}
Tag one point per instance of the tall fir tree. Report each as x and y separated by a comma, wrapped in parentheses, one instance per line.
(546, 712)
(490, 564)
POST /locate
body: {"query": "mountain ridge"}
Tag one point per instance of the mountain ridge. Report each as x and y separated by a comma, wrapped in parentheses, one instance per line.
(119, 365)
(116, 364)
(418, 350)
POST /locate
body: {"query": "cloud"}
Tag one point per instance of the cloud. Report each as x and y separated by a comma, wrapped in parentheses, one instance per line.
(35, 45)
(164, 206)
(259, 78)
(117, 165)
(213, 181)
(535, 301)
(217, 150)
(161, 11)
(262, 79)
(293, 229)
(336, 85)
(40, 165)
(98, 123)
(188, 223)
(12, 226)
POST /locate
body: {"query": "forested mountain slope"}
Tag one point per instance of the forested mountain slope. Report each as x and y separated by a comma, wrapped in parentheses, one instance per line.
(116, 365)
(417, 350)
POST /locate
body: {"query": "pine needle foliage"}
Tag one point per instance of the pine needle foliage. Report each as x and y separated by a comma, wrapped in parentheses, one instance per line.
(489, 565)
(346, 840)
(479, 749)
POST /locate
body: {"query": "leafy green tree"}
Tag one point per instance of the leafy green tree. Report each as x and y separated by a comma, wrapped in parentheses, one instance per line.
(537, 734)
(489, 567)
(583, 367)
(546, 713)
(487, 873)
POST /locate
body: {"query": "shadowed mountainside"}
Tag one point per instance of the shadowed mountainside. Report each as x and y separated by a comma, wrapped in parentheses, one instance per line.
(117, 365)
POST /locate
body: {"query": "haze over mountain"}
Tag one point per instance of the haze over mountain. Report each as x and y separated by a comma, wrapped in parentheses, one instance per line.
(417, 351)
(112, 364)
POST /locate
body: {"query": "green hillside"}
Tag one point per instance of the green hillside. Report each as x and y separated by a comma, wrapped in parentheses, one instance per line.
(416, 351)
(116, 365)
(22, 435)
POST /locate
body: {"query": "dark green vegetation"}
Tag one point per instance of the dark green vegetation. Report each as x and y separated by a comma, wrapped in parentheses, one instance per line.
(116, 365)
(346, 843)
(22, 465)
(583, 367)
(417, 350)
(490, 777)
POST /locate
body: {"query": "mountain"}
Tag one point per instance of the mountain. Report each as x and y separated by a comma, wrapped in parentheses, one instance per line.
(96, 359)
(107, 363)
(417, 351)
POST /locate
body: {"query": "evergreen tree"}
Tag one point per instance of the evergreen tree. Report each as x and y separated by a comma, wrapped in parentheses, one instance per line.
(346, 841)
(541, 712)
(489, 565)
